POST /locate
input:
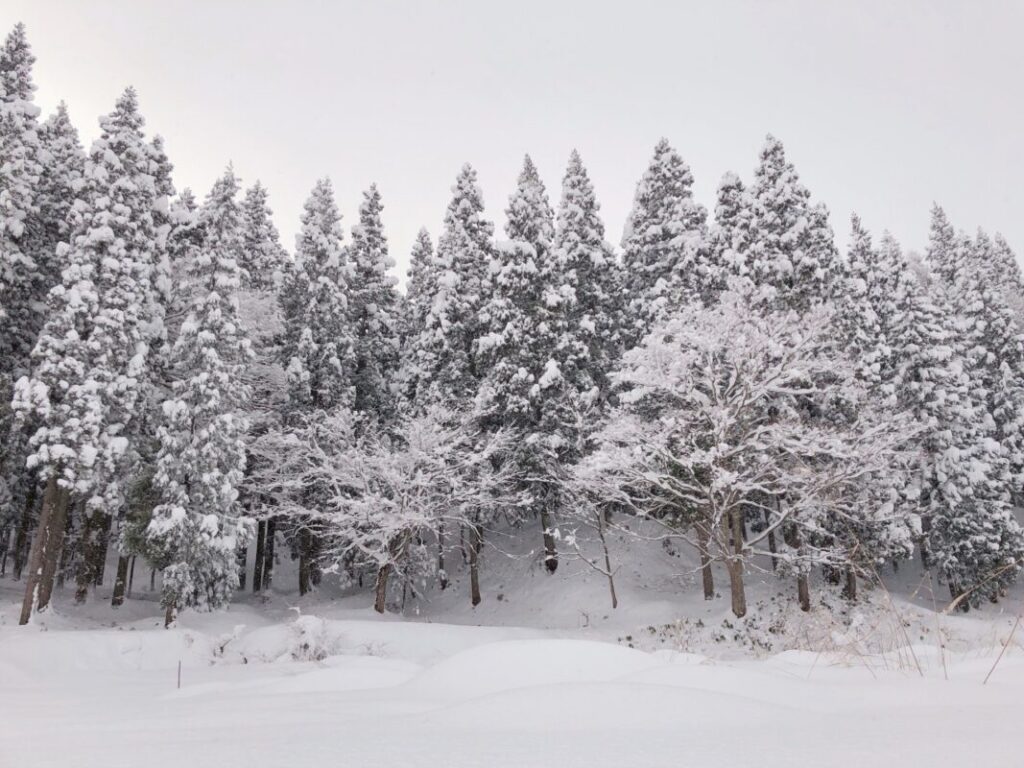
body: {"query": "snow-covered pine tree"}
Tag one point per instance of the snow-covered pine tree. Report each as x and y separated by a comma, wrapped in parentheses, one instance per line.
(374, 311)
(420, 291)
(960, 494)
(196, 529)
(62, 164)
(90, 362)
(520, 347)
(735, 232)
(589, 282)
(444, 346)
(319, 346)
(663, 244)
(995, 347)
(21, 284)
(264, 258)
(794, 251)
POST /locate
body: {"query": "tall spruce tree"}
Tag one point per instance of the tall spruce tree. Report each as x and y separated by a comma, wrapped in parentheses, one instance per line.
(444, 347)
(22, 286)
(520, 348)
(663, 246)
(589, 281)
(959, 492)
(319, 347)
(264, 259)
(421, 288)
(197, 528)
(990, 333)
(374, 310)
(90, 362)
(794, 251)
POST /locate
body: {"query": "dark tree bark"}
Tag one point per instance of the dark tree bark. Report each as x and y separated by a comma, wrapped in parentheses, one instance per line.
(257, 568)
(67, 553)
(5, 545)
(54, 550)
(550, 551)
(100, 555)
(708, 578)
(268, 548)
(131, 576)
(305, 558)
(24, 526)
(850, 590)
(380, 600)
(120, 582)
(473, 547)
(54, 499)
(85, 575)
(242, 557)
(442, 573)
(735, 566)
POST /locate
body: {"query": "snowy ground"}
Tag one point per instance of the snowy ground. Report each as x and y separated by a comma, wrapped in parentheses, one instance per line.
(549, 679)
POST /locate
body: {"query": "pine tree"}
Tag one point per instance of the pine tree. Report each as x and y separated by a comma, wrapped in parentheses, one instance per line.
(197, 528)
(590, 314)
(995, 348)
(444, 347)
(517, 394)
(90, 362)
(960, 493)
(62, 165)
(21, 284)
(264, 259)
(794, 252)
(319, 344)
(734, 235)
(420, 290)
(663, 244)
(374, 311)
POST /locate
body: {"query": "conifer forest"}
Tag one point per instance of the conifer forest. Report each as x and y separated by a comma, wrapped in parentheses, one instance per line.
(741, 486)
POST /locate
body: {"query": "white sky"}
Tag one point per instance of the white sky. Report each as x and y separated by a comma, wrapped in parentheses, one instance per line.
(882, 106)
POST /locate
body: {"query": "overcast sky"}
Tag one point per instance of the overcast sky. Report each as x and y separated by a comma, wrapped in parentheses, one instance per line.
(883, 107)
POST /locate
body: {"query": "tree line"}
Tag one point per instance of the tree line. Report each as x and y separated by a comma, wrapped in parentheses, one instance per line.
(176, 385)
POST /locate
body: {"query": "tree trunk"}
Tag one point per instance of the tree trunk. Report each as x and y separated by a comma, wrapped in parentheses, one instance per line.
(100, 555)
(131, 576)
(475, 541)
(67, 552)
(550, 552)
(268, 549)
(242, 558)
(736, 588)
(54, 549)
(703, 539)
(170, 616)
(305, 558)
(24, 524)
(53, 499)
(607, 559)
(803, 592)
(850, 590)
(257, 567)
(85, 574)
(120, 582)
(5, 544)
(380, 601)
(735, 566)
(152, 579)
(441, 572)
